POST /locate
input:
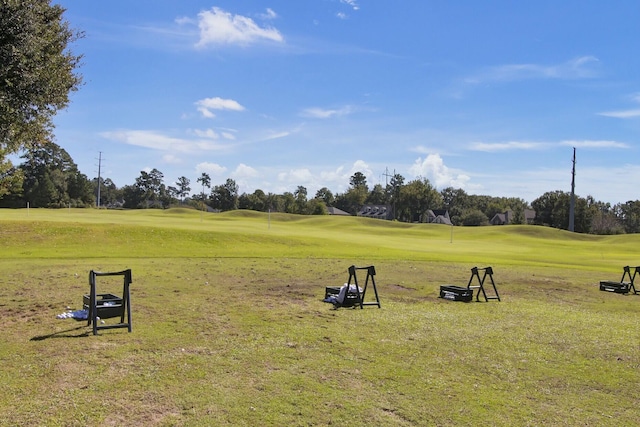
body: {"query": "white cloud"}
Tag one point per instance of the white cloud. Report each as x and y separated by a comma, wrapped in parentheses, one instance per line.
(148, 139)
(243, 176)
(351, 3)
(623, 114)
(171, 159)
(205, 106)
(301, 176)
(421, 149)
(594, 144)
(363, 167)
(206, 133)
(269, 14)
(341, 15)
(337, 180)
(213, 134)
(335, 175)
(434, 169)
(320, 113)
(158, 141)
(184, 20)
(577, 68)
(244, 171)
(504, 146)
(491, 147)
(277, 135)
(210, 168)
(218, 27)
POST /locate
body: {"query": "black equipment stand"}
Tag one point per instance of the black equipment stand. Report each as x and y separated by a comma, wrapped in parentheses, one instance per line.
(371, 272)
(355, 298)
(488, 272)
(627, 272)
(109, 305)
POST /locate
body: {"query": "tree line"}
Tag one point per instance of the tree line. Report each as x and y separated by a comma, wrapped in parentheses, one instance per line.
(38, 71)
(49, 178)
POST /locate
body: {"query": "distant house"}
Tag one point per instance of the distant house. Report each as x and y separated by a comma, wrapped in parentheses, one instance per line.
(336, 211)
(376, 211)
(438, 216)
(508, 217)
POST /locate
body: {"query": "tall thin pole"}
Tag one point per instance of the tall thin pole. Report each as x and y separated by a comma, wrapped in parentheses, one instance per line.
(99, 179)
(386, 174)
(572, 204)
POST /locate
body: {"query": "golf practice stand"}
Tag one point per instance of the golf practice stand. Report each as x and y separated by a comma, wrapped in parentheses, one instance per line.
(353, 297)
(109, 305)
(622, 287)
(627, 272)
(488, 272)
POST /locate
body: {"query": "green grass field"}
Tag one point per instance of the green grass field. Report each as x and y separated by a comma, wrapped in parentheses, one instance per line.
(229, 327)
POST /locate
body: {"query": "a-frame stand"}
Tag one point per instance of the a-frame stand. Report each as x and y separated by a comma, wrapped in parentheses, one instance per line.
(488, 272)
(353, 279)
(109, 305)
(627, 273)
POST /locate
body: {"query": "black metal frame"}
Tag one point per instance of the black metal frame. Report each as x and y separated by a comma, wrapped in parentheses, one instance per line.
(488, 272)
(120, 308)
(627, 272)
(359, 297)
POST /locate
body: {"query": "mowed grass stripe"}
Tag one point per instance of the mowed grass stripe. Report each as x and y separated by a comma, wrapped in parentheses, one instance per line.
(188, 233)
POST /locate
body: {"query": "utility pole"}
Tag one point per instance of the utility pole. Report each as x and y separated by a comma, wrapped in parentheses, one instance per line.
(572, 203)
(386, 177)
(386, 184)
(99, 170)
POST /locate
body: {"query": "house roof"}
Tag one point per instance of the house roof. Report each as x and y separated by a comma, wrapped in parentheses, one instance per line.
(336, 211)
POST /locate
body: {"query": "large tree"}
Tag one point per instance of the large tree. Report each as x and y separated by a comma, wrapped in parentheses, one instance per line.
(256, 201)
(552, 209)
(377, 196)
(52, 179)
(456, 201)
(110, 195)
(152, 188)
(183, 188)
(37, 74)
(205, 180)
(10, 177)
(359, 180)
(301, 200)
(326, 196)
(393, 191)
(355, 196)
(225, 197)
(629, 214)
(415, 199)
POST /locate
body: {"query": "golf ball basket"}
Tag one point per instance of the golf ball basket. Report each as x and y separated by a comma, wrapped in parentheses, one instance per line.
(106, 305)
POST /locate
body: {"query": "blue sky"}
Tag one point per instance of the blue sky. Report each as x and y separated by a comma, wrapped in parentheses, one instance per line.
(487, 96)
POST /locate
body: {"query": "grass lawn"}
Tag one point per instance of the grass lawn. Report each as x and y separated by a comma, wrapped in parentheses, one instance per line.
(229, 327)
